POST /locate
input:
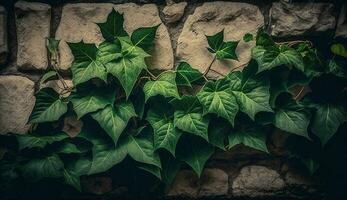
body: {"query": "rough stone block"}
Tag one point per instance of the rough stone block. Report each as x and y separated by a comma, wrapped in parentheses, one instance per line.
(236, 19)
(174, 12)
(255, 181)
(3, 36)
(33, 22)
(214, 182)
(341, 30)
(16, 103)
(78, 23)
(293, 19)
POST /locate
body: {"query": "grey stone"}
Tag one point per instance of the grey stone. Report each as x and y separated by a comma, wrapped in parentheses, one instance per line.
(210, 18)
(174, 12)
(16, 103)
(58, 86)
(72, 126)
(78, 23)
(186, 183)
(3, 36)
(255, 181)
(214, 182)
(33, 22)
(293, 19)
(341, 30)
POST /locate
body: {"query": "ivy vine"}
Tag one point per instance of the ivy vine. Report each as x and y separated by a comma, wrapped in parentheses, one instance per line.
(160, 121)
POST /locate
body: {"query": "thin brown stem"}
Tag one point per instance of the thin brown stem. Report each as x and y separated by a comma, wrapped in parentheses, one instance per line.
(153, 77)
(292, 43)
(300, 92)
(209, 67)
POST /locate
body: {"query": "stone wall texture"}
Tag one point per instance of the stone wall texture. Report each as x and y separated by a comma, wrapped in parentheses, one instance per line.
(24, 27)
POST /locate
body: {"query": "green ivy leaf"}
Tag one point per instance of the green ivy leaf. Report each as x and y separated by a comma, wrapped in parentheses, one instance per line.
(113, 27)
(165, 85)
(114, 119)
(338, 49)
(72, 179)
(154, 170)
(247, 37)
(47, 167)
(223, 50)
(218, 131)
(48, 106)
(252, 93)
(47, 76)
(189, 117)
(216, 97)
(128, 67)
(195, 152)
(271, 57)
(32, 141)
(327, 120)
(68, 148)
(165, 134)
(253, 137)
(92, 100)
(170, 168)
(144, 37)
(264, 39)
(337, 68)
(87, 64)
(293, 119)
(186, 75)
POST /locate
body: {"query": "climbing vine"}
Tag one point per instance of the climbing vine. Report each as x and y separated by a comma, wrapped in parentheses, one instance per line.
(179, 116)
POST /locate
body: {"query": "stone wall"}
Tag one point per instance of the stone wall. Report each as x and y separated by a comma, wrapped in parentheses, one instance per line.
(25, 26)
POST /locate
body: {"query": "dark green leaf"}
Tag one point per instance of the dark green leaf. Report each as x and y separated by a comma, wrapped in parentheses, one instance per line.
(48, 106)
(253, 137)
(247, 37)
(31, 141)
(338, 49)
(48, 76)
(71, 178)
(186, 75)
(144, 37)
(113, 27)
(327, 120)
(223, 50)
(152, 169)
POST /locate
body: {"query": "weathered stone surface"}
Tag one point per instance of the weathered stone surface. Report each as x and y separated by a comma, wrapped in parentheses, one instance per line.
(292, 19)
(257, 181)
(3, 36)
(58, 86)
(33, 22)
(341, 30)
(186, 183)
(174, 12)
(16, 102)
(214, 182)
(72, 126)
(78, 23)
(210, 18)
(96, 184)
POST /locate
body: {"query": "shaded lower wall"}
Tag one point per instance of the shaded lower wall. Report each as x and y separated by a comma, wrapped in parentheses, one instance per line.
(238, 173)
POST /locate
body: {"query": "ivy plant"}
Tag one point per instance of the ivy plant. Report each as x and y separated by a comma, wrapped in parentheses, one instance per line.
(161, 121)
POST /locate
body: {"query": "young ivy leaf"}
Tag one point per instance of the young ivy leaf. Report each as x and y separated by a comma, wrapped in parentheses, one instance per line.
(247, 37)
(253, 137)
(218, 131)
(223, 50)
(186, 75)
(189, 117)
(165, 85)
(339, 49)
(86, 64)
(337, 67)
(47, 167)
(92, 100)
(47, 76)
(166, 135)
(32, 141)
(128, 67)
(144, 37)
(327, 120)
(114, 119)
(152, 169)
(252, 93)
(48, 107)
(293, 119)
(216, 97)
(275, 56)
(195, 152)
(113, 27)
(72, 179)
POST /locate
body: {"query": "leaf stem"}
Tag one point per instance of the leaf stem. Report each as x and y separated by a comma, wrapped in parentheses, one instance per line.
(292, 43)
(300, 92)
(153, 77)
(209, 67)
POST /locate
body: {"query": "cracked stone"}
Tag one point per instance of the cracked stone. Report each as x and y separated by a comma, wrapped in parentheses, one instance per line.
(33, 22)
(210, 18)
(3, 36)
(254, 181)
(186, 183)
(78, 23)
(341, 30)
(174, 12)
(293, 19)
(16, 103)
